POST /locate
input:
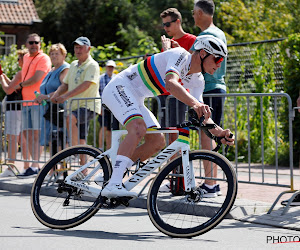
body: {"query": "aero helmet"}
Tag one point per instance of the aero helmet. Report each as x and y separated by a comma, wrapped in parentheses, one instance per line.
(211, 45)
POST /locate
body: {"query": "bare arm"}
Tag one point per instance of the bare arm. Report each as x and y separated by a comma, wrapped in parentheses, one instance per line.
(9, 86)
(35, 78)
(63, 88)
(177, 90)
(81, 88)
(42, 97)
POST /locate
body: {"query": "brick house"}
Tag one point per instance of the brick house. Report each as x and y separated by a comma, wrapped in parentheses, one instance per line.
(18, 18)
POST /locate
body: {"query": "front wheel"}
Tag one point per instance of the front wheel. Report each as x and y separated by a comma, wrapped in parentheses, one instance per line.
(188, 214)
(58, 205)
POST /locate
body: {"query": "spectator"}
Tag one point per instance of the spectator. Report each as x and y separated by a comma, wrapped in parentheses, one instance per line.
(81, 81)
(50, 84)
(171, 19)
(203, 16)
(36, 66)
(13, 115)
(109, 124)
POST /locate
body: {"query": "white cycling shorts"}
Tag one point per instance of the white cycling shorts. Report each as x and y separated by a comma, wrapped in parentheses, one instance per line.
(126, 102)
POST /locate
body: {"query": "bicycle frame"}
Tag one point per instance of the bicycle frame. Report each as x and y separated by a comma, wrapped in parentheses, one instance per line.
(181, 144)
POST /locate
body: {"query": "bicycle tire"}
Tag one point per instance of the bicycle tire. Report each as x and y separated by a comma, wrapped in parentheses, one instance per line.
(190, 215)
(57, 205)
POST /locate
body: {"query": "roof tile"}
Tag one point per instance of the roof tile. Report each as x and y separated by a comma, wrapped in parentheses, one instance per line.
(18, 12)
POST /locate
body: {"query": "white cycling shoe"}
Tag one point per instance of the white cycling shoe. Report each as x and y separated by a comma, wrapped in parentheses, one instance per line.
(116, 190)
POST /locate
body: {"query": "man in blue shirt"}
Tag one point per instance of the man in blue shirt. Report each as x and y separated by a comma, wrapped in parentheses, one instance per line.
(214, 84)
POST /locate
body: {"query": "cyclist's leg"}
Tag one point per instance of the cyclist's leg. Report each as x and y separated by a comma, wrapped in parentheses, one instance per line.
(119, 97)
(153, 142)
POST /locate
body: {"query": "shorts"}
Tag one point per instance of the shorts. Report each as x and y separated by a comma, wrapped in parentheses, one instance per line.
(177, 111)
(217, 103)
(108, 120)
(127, 103)
(83, 117)
(31, 116)
(13, 120)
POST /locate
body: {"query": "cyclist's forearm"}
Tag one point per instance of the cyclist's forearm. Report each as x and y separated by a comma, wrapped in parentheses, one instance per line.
(180, 93)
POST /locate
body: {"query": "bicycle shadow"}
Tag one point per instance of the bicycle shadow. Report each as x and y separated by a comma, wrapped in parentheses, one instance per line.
(132, 236)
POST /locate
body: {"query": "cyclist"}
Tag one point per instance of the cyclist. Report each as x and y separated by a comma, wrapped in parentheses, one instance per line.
(173, 71)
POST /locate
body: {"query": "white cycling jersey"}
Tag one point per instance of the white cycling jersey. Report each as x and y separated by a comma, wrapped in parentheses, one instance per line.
(124, 95)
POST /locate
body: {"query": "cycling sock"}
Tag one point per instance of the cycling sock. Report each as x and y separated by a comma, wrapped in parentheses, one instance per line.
(210, 186)
(122, 162)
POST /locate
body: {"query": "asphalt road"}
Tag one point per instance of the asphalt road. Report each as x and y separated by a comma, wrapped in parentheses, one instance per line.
(126, 228)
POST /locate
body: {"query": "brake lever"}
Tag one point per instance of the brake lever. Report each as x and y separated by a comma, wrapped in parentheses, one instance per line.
(227, 147)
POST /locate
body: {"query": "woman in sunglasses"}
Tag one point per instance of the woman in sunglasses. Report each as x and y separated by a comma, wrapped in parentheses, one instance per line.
(174, 71)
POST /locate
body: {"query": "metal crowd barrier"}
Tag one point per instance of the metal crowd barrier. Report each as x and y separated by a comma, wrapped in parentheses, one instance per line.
(248, 172)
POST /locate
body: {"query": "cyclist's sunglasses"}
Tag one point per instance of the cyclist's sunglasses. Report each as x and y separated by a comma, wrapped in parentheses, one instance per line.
(32, 42)
(218, 59)
(168, 24)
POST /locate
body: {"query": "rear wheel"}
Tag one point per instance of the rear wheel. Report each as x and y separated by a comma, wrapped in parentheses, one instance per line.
(58, 205)
(189, 214)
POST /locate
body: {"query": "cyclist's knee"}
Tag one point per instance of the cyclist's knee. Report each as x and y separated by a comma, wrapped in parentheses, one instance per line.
(137, 127)
(161, 142)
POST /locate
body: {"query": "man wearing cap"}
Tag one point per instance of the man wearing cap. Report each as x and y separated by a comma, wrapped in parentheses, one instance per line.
(81, 81)
(104, 119)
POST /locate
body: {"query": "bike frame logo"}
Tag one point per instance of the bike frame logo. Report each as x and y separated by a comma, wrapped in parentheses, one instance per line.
(283, 239)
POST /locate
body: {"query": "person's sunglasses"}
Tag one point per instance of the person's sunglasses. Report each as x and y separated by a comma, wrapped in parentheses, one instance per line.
(33, 42)
(218, 59)
(168, 24)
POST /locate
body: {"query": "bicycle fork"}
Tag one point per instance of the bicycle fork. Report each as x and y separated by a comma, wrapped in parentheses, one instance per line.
(188, 170)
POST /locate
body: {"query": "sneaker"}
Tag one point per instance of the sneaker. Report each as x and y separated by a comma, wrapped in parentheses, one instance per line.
(7, 173)
(99, 179)
(295, 202)
(208, 192)
(116, 190)
(28, 173)
(218, 190)
(165, 188)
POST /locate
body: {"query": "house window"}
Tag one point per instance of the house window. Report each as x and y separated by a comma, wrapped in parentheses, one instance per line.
(8, 41)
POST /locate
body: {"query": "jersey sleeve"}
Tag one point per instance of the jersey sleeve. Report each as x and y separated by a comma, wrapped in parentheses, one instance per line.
(176, 61)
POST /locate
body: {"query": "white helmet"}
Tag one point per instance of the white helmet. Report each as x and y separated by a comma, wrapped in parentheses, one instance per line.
(211, 45)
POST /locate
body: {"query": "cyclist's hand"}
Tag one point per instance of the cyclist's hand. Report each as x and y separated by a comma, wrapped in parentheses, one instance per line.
(229, 137)
(202, 110)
